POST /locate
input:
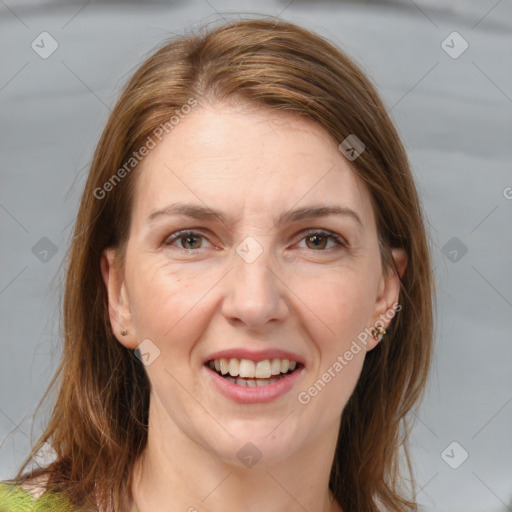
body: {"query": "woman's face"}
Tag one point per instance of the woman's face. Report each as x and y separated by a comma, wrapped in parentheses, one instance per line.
(266, 274)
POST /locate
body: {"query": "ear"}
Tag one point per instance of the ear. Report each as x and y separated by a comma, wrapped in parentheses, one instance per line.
(118, 301)
(388, 294)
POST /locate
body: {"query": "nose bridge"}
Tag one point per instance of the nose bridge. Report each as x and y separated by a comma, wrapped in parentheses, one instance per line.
(254, 293)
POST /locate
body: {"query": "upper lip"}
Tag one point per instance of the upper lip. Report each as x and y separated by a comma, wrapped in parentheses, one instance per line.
(255, 355)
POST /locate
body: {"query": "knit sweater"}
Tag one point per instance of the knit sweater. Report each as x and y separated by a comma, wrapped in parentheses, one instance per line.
(13, 498)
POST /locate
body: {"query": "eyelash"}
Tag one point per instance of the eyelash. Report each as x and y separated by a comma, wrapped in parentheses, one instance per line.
(328, 234)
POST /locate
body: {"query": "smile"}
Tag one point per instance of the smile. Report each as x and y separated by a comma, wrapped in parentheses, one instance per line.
(245, 372)
(249, 382)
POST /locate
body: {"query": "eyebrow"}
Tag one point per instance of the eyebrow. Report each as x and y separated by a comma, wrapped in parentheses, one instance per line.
(205, 213)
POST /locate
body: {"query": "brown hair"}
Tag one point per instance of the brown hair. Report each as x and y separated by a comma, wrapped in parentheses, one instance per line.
(98, 425)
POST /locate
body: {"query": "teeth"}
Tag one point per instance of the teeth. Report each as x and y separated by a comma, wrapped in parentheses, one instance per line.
(247, 368)
(275, 367)
(252, 383)
(263, 370)
(224, 366)
(234, 367)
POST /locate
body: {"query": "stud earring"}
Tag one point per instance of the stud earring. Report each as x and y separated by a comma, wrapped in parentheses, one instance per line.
(124, 332)
(377, 331)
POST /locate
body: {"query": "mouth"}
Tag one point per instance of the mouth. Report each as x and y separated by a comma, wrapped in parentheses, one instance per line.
(251, 374)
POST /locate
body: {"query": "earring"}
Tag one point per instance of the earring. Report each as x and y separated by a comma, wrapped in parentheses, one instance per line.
(124, 332)
(376, 331)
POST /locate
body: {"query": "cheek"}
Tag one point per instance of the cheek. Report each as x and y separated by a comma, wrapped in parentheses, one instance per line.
(339, 306)
(166, 301)
(342, 309)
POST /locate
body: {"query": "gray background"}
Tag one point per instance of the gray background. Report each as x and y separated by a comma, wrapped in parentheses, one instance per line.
(454, 115)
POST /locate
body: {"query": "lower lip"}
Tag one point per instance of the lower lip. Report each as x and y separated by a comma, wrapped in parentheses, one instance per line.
(256, 395)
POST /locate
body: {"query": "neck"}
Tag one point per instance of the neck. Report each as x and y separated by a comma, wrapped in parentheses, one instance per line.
(176, 473)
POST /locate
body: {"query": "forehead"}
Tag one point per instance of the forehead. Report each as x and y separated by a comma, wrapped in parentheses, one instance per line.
(248, 160)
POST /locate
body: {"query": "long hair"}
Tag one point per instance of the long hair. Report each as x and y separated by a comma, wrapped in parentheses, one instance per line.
(98, 425)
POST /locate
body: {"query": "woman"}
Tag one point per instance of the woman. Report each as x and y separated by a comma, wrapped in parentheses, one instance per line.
(248, 305)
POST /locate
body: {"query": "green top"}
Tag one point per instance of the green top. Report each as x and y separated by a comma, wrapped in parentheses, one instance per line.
(13, 498)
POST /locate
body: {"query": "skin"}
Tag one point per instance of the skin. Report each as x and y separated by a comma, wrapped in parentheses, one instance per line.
(252, 165)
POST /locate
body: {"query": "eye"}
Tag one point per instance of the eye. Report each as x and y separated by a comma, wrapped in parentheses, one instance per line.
(188, 240)
(317, 240)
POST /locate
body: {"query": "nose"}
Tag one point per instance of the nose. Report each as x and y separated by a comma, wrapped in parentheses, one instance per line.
(255, 293)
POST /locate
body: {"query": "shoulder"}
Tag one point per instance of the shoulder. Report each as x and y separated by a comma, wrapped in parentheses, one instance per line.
(14, 498)
(36, 486)
(29, 496)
